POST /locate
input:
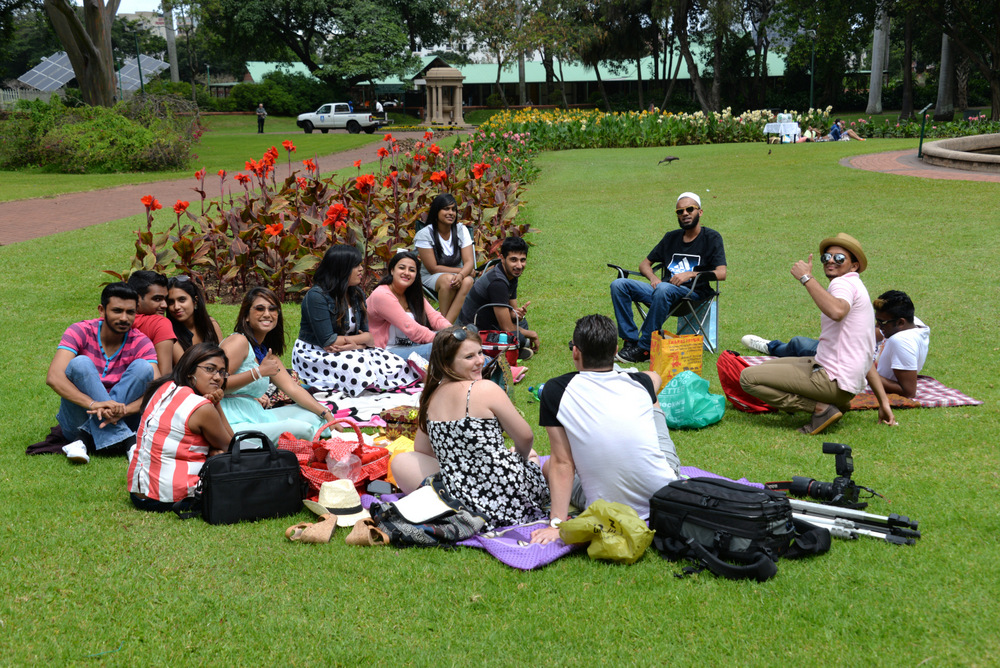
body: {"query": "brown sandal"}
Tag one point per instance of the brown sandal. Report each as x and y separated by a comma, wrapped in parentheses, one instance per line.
(318, 532)
(366, 532)
(821, 421)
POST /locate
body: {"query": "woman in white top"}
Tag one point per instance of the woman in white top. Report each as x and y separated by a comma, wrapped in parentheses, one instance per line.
(447, 256)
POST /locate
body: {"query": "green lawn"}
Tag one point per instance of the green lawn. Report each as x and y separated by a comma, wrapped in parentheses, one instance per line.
(227, 144)
(82, 573)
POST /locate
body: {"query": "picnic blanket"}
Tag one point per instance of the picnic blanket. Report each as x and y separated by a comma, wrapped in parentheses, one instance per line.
(931, 393)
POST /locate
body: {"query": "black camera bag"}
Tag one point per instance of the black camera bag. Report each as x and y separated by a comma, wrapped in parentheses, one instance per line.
(244, 486)
(715, 522)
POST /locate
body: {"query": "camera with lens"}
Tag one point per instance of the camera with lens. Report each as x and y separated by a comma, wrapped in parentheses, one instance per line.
(842, 491)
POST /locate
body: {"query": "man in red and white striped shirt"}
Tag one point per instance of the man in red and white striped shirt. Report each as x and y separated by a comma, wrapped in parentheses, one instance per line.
(100, 370)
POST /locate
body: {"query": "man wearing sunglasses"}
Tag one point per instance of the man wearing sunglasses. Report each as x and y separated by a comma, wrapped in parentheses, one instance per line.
(608, 434)
(684, 253)
(824, 385)
(100, 370)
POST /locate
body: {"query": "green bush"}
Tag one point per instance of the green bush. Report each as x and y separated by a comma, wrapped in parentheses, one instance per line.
(21, 133)
(98, 140)
(277, 100)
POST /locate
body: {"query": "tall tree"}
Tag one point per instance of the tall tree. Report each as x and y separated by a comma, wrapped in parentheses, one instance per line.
(490, 23)
(944, 110)
(758, 13)
(880, 56)
(88, 45)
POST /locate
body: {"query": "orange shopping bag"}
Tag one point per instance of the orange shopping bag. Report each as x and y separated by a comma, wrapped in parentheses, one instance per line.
(670, 354)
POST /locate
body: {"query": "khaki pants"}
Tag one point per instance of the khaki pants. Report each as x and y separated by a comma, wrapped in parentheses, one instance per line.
(793, 384)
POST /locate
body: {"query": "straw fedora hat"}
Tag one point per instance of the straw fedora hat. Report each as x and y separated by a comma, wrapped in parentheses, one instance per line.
(340, 498)
(849, 243)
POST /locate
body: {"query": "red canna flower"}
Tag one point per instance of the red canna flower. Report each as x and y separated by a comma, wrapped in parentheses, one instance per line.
(289, 146)
(382, 152)
(435, 149)
(336, 215)
(479, 169)
(365, 182)
(274, 229)
(310, 165)
(428, 135)
(222, 173)
(357, 164)
(243, 178)
(438, 177)
(200, 174)
(419, 157)
(389, 179)
(303, 184)
(151, 203)
(418, 145)
(388, 137)
(273, 152)
(180, 207)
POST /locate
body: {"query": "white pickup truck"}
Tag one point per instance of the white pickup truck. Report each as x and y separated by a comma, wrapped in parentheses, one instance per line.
(338, 116)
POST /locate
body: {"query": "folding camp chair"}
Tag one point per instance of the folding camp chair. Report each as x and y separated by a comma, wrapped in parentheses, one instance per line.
(695, 314)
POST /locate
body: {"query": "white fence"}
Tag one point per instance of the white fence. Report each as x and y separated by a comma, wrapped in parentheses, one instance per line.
(8, 96)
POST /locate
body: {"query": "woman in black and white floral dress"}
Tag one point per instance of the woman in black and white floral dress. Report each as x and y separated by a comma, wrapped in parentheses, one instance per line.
(333, 350)
(462, 422)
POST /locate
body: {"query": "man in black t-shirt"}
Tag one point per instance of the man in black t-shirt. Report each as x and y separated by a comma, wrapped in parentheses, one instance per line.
(684, 253)
(498, 286)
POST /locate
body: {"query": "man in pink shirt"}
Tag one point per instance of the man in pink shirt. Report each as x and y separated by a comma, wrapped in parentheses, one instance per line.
(825, 384)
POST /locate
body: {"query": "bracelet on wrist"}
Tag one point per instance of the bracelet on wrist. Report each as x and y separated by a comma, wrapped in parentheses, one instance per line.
(805, 278)
(555, 522)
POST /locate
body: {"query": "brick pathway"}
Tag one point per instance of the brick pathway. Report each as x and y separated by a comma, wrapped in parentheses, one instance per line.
(906, 163)
(21, 220)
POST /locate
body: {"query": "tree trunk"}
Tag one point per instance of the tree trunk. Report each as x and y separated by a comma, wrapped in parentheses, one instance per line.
(600, 87)
(562, 86)
(715, 97)
(962, 84)
(681, 27)
(88, 45)
(550, 76)
(670, 86)
(906, 108)
(945, 108)
(880, 43)
(503, 96)
(168, 27)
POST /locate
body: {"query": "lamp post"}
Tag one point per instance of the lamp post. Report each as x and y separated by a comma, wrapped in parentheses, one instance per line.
(812, 67)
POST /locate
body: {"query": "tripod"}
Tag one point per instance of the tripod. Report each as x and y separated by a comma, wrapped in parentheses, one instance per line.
(848, 523)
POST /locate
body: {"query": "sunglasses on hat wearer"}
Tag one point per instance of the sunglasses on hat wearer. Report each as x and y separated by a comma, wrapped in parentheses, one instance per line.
(463, 333)
(838, 258)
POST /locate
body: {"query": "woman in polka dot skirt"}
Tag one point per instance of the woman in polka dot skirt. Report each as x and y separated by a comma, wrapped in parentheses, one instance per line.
(333, 350)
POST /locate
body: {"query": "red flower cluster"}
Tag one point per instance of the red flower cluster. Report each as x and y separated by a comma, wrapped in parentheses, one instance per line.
(200, 174)
(479, 169)
(389, 179)
(419, 157)
(274, 229)
(438, 177)
(180, 207)
(382, 152)
(388, 137)
(435, 149)
(310, 165)
(151, 203)
(365, 183)
(222, 173)
(303, 184)
(336, 215)
(242, 178)
(289, 146)
(428, 135)
(357, 164)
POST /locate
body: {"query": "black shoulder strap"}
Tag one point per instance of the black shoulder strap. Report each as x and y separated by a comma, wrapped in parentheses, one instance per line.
(760, 570)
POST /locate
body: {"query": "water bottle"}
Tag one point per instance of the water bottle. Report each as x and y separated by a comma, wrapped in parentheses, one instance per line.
(535, 392)
(502, 338)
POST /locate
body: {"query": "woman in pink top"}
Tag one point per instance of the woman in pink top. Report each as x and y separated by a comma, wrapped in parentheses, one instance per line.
(400, 319)
(182, 426)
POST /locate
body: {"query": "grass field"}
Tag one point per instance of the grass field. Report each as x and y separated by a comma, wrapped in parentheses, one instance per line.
(83, 574)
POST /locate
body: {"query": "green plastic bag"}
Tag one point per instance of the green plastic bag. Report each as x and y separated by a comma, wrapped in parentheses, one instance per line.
(614, 531)
(687, 403)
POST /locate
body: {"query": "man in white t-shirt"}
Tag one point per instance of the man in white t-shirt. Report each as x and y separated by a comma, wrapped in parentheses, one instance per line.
(825, 384)
(904, 345)
(605, 426)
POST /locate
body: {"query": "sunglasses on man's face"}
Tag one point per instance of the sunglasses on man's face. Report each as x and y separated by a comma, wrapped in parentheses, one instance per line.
(463, 333)
(838, 258)
(687, 209)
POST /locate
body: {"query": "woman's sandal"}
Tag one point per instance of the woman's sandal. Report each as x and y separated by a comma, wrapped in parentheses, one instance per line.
(822, 420)
(366, 532)
(318, 532)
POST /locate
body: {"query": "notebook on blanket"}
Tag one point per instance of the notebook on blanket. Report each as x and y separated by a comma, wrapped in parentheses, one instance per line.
(930, 393)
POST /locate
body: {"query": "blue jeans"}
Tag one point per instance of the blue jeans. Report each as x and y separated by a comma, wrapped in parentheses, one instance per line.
(797, 346)
(660, 301)
(75, 420)
(422, 349)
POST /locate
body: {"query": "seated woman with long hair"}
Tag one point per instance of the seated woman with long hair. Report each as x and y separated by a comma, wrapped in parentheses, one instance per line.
(188, 314)
(182, 425)
(462, 421)
(254, 363)
(333, 350)
(402, 321)
(447, 254)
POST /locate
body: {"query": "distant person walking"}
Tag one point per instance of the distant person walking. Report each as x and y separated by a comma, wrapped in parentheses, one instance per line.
(261, 115)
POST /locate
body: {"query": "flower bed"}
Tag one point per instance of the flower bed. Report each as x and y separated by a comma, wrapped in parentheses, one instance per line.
(275, 233)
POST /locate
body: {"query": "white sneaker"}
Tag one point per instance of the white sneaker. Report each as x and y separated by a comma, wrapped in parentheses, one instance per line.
(76, 452)
(757, 343)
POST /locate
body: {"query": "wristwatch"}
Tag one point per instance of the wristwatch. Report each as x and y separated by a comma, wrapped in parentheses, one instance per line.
(805, 278)
(555, 522)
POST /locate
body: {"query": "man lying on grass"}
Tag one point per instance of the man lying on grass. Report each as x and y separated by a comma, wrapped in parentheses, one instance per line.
(825, 384)
(605, 426)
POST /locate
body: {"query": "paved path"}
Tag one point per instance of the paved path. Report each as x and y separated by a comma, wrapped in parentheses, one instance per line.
(906, 163)
(33, 218)
(21, 220)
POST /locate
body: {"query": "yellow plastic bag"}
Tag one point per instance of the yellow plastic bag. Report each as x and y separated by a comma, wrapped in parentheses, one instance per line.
(615, 532)
(401, 444)
(670, 354)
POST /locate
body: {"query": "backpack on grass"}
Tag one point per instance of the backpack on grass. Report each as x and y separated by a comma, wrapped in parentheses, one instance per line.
(715, 522)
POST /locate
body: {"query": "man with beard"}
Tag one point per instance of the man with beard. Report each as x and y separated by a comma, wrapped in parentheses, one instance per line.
(101, 370)
(498, 287)
(825, 384)
(684, 253)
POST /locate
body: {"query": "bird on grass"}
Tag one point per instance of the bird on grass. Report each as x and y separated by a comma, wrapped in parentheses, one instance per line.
(669, 159)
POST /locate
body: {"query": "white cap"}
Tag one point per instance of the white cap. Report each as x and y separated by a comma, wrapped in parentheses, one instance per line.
(690, 196)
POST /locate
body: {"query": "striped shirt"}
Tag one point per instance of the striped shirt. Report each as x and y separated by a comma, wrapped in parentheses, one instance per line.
(168, 456)
(84, 338)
